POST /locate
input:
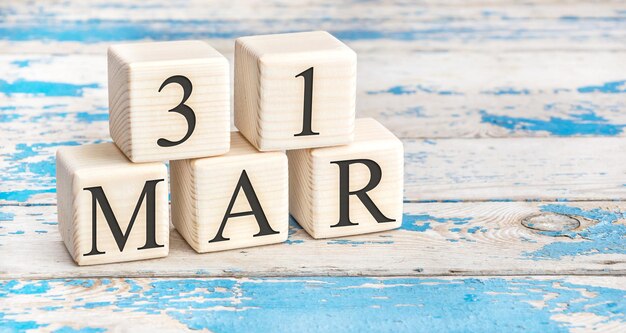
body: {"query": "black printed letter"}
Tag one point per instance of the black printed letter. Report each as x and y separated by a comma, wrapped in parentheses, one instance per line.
(257, 211)
(345, 193)
(98, 196)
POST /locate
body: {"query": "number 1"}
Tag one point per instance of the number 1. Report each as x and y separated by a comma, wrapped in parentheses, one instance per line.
(308, 103)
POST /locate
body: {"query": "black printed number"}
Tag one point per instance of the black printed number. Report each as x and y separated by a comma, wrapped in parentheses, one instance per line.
(308, 103)
(181, 108)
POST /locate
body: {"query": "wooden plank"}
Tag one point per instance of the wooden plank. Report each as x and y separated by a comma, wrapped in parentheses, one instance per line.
(435, 239)
(491, 304)
(515, 169)
(435, 25)
(435, 170)
(578, 95)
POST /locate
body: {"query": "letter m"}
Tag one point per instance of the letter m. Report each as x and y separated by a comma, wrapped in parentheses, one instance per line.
(98, 197)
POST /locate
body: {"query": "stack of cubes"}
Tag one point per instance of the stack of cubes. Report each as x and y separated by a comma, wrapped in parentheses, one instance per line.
(299, 151)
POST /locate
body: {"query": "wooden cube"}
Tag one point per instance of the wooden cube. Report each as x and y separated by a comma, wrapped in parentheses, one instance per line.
(351, 189)
(236, 200)
(168, 100)
(110, 209)
(294, 90)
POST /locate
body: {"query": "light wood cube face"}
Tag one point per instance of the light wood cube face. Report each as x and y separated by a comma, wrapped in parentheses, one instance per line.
(236, 200)
(295, 90)
(168, 100)
(351, 189)
(109, 209)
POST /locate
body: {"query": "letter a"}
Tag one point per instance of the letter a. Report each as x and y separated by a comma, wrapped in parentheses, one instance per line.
(257, 211)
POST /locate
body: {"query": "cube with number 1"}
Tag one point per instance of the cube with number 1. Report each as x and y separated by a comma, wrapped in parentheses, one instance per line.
(294, 90)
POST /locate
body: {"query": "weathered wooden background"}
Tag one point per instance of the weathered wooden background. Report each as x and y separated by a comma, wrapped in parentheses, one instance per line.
(512, 115)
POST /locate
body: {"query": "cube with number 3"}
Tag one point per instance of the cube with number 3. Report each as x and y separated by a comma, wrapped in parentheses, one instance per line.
(294, 90)
(169, 100)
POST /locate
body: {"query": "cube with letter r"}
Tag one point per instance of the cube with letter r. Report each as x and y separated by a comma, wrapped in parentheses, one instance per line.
(350, 189)
(110, 209)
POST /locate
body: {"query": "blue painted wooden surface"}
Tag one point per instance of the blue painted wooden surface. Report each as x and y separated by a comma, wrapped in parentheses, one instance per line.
(435, 74)
(349, 304)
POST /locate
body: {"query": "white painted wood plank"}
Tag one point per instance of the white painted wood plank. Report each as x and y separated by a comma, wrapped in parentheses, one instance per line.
(515, 169)
(513, 304)
(420, 95)
(433, 24)
(435, 239)
(435, 170)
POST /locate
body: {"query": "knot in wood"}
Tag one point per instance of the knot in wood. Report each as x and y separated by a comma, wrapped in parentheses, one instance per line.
(550, 222)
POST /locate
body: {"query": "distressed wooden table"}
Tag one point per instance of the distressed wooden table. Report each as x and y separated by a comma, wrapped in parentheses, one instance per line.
(512, 116)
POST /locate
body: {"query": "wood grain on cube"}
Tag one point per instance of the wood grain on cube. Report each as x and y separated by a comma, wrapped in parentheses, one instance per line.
(272, 77)
(93, 180)
(203, 189)
(168, 100)
(315, 184)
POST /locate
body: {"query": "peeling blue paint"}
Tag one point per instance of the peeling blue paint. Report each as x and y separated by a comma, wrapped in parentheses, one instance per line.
(355, 304)
(67, 329)
(51, 308)
(6, 216)
(422, 222)
(14, 287)
(54, 106)
(528, 240)
(613, 87)
(134, 287)
(476, 229)
(87, 283)
(24, 195)
(43, 88)
(21, 63)
(8, 325)
(412, 90)
(93, 305)
(43, 171)
(355, 243)
(98, 30)
(589, 125)
(414, 111)
(8, 117)
(294, 227)
(506, 91)
(606, 236)
(86, 117)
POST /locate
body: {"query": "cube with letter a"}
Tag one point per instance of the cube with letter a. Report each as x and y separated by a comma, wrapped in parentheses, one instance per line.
(294, 90)
(351, 189)
(231, 201)
(110, 209)
(168, 100)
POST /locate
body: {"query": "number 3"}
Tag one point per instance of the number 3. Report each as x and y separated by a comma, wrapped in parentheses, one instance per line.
(181, 108)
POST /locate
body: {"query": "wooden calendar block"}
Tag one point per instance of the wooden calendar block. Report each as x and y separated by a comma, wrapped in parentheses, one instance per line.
(168, 100)
(110, 209)
(294, 90)
(236, 200)
(351, 189)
